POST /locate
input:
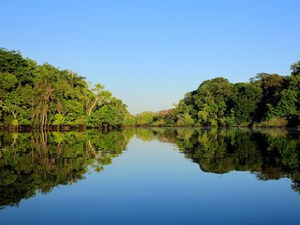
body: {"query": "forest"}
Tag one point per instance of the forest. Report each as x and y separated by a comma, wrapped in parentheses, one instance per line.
(267, 100)
(44, 97)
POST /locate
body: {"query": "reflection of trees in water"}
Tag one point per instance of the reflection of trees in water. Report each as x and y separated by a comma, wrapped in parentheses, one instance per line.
(39, 162)
(269, 153)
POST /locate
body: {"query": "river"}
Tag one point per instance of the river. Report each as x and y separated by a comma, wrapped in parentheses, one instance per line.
(151, 176)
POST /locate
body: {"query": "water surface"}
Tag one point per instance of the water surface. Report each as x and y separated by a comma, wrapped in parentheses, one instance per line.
(151, 176)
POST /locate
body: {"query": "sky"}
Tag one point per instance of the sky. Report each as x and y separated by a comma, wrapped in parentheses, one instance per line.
(149, 53)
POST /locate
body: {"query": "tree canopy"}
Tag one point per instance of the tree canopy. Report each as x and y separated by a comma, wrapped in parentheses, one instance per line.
(267, 100)
(43, 96)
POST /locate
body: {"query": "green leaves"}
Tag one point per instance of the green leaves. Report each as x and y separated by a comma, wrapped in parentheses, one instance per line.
(144, 119)
(269, 99)
(43, 95)
(295, 68)
(8, 81)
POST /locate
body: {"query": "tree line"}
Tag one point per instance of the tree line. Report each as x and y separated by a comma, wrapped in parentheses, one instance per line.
(43, 96)
(266, 100)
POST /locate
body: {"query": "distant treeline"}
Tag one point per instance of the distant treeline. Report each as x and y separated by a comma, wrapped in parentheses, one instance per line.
(45, 97)
(267, 100)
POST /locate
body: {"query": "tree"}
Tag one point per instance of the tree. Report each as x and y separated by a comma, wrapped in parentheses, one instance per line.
(272, 85)
(211, 101)
(244, 102)
(45, 94)
(110, 114)
(185, 120)
(97, 96)
(12, 62)
(144, 118)
(295, 68)
(129, 120)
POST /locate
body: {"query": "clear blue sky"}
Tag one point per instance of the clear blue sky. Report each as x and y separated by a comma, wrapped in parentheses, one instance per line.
(149, 53)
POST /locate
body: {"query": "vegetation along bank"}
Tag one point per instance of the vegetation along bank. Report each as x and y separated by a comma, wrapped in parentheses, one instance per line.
(44, 97)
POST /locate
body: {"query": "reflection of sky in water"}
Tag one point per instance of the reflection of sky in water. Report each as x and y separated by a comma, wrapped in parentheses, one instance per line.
(152, 183)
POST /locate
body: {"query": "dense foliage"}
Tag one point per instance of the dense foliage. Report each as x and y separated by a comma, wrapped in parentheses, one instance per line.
(42, 96)
(267, 100)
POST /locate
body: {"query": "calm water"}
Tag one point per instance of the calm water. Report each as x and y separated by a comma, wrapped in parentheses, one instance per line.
(151, 176)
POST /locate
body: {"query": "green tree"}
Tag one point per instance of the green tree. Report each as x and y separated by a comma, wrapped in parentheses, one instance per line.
(45, 96)
(185, 120)
(98, 96)
(144, 118)
(244, 103)
(210, 101)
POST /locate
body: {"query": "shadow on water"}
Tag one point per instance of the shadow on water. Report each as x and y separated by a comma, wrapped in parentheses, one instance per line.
(32, 162)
